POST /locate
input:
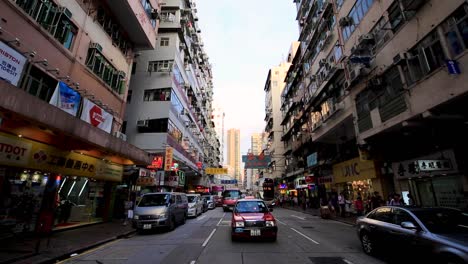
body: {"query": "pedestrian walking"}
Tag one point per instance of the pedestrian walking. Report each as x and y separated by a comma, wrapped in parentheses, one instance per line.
(359, 206)
(396, 200)
(303, 202)
(342, 204)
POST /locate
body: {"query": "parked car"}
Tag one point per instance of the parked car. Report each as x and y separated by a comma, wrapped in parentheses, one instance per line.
(230, 197)
(195, 205)
(156, 210)
(210, 199)
(251, 218)
(439, 232)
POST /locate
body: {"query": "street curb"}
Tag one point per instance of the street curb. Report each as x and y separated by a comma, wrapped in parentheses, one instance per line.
(305, 212)
(86, 248)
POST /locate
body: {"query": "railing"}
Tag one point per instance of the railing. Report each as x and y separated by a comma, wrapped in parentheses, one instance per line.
(392, 108)
(364, 122)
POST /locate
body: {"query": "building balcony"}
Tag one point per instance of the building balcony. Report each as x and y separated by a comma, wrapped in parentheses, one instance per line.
(136, 20)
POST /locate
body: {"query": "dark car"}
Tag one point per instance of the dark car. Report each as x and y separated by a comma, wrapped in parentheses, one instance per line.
(251, 218)
(439, 232)
(218, 200)
(205, 204)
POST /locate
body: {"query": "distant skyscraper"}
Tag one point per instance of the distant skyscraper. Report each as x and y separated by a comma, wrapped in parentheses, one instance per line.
(233, 152)
(218, 119)
(256, 141)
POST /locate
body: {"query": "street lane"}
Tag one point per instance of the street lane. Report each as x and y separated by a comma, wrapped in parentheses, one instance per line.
(206, 239)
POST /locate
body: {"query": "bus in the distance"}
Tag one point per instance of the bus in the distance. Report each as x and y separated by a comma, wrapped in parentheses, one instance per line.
(268, 191)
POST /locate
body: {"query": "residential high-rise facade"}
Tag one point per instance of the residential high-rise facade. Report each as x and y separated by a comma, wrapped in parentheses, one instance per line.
(273, 88)
(171, 100)
(66, 66)
(256, 143)
(218, 119)
(233, 153)
(379, 86)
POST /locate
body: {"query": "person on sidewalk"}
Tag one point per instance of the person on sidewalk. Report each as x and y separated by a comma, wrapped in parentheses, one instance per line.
(341, 203)
(376, 200)
(303, 202)
(359, 205)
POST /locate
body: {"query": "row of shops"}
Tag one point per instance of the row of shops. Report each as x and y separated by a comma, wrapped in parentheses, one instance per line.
(432, 180)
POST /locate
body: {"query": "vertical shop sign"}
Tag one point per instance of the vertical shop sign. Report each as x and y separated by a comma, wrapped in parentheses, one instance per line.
(66, 99)
(168, 158)
(11, 64)
(96, 116)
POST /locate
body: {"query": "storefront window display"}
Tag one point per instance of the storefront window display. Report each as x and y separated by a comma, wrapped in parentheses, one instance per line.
(79, 200)
(20, 199)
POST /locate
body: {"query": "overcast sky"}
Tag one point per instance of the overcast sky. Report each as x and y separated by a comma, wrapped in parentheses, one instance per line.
(244, 39)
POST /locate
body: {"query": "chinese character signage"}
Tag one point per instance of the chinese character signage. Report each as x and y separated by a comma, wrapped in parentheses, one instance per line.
(216, 171)
(22, 152)
(430, 165)
(256, 161)
(96, 116)
(168, 159)
(11, 64)
(66, 99)
(157, 163)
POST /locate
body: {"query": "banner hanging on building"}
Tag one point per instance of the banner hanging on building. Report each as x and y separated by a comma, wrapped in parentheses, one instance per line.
(11, 64)
(216, 171)
(96, 116)
(256, 161)
(168, 159)
(66, 99)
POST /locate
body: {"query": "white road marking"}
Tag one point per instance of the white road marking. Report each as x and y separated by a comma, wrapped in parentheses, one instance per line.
(192, 262)
(201, 217)
(209, 237)
(305, 236)
(347, 261)
(277, 220)
(302, 218)
(219, 222)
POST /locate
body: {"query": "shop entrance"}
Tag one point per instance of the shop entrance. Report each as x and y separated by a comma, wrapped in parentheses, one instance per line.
(441, 191)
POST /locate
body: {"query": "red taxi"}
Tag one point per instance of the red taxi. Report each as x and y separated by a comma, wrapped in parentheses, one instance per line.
(251, 218)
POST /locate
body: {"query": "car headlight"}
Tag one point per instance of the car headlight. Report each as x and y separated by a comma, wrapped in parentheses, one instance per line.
(270, 223)
(192, 206)
(163, 215)
(136, 217)
(239, 224)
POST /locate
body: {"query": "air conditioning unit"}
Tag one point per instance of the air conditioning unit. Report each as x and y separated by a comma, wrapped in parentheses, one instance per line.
(96, 46)
(322, 62)
(327, 38)
(366, 39)
(346, 21)
(376, 82)
(182, 45)
(154, 14)
(401, 58)
(183, 20)
(120, 135)
(164, 68)
(358, 72)
(142, 123)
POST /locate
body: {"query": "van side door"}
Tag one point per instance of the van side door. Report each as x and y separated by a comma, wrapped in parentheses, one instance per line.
(179, 208)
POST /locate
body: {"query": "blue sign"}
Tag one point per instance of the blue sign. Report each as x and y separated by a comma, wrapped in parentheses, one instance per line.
(66, 99)
(228, 181)
(453, 68)
(312, 159)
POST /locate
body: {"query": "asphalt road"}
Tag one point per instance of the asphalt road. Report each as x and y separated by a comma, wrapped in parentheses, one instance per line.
(302, 238)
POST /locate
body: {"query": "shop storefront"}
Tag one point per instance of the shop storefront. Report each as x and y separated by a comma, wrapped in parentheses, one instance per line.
(432, 180)
(36, 178)
(355, 178)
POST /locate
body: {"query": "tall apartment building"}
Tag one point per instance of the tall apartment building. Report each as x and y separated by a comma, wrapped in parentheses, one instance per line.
(379, 86)
(64, 78)
(170, 105)
(233, 153)
(256, 143)
(218, 119)
(273, 88)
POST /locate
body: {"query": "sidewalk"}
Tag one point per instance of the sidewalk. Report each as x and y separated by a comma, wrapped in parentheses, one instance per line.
(61, 244)
(351, 220)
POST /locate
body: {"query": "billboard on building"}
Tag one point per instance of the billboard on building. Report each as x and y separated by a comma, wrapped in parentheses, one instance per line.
(11, 64)
(256, 161)
(66, 99)
(96, 116)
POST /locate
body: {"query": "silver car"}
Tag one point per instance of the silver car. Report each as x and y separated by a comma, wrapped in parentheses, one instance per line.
(156, 210)
(210, 200)
(195, 204)
(439, 233)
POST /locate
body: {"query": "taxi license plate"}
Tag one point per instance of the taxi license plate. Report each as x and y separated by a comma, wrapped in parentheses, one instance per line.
(147, 226)
(255, 232)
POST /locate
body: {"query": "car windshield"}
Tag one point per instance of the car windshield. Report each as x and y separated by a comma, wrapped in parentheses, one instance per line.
(444, 221)
(191, 199)
(208, 198)
(251, 207)
(153, 200)
(231, 194)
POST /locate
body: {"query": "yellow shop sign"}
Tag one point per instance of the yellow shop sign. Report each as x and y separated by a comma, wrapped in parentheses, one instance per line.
(30, 154)
(354, 170)
(216, 170)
